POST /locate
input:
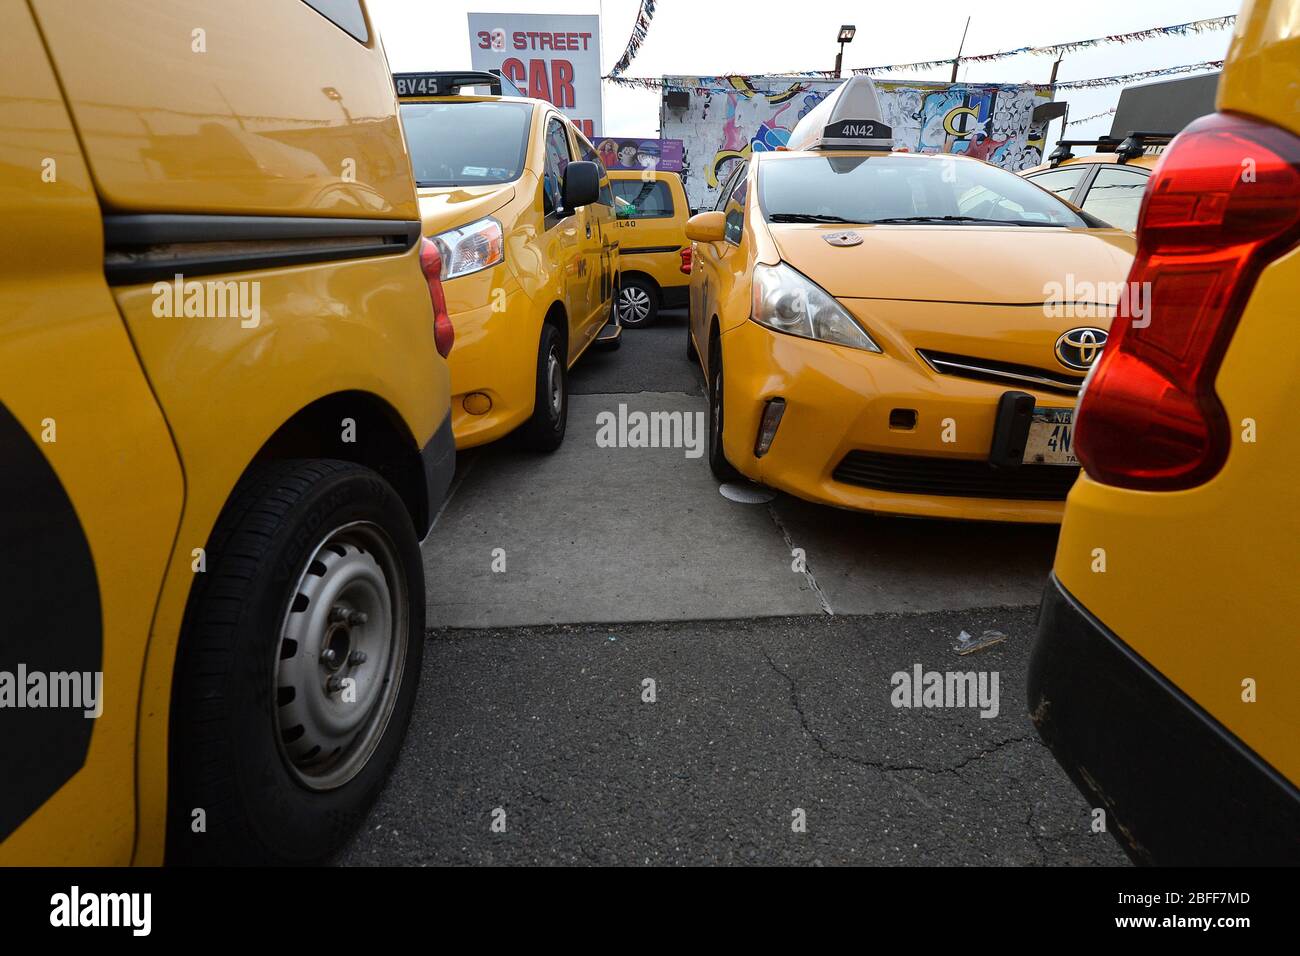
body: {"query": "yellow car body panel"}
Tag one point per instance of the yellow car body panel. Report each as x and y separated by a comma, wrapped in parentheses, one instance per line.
(358, 329)
(498, 312)
(652, 245)
(913, 289)
(156, 138)
(1185, 601)
(1240, 529)
(69, 376)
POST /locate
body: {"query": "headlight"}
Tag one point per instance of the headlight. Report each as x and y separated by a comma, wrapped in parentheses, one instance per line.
(472, 248)
(786, 301)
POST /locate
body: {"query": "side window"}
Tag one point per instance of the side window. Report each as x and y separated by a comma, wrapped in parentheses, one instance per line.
(735, 207)
(725, 192)
(589, 155)
(557, 160)
(344, 14)
(1061, 181)
(1115, 196)
(652, 200)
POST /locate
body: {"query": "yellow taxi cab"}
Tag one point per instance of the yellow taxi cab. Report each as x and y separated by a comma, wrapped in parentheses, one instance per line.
(895, 332)
(654, 252)
(517, 202)
(1108, 183)
(225, 423)
(1164, 675)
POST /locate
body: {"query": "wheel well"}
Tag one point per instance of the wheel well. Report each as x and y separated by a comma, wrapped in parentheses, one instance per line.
(380, 441)
(644, 276)
(557, 317)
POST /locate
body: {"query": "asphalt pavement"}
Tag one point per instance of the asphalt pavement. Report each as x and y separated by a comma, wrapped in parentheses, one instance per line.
(624, 666)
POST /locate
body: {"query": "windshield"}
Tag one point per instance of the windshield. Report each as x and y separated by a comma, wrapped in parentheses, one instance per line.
(472, 143)
(906, 190)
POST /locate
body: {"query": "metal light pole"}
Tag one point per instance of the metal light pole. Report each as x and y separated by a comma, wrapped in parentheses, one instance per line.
(845, 36)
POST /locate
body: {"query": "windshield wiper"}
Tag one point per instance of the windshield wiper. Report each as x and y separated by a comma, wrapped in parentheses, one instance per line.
(806, 217)
(977, 219)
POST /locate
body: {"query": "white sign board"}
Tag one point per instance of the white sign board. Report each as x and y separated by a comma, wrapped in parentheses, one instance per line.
(552, 57)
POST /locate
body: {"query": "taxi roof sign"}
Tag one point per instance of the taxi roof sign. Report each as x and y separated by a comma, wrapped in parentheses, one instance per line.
(447, 83)
(849, 118)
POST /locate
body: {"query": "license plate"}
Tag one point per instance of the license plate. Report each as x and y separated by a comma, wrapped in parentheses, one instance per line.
(1051, 438)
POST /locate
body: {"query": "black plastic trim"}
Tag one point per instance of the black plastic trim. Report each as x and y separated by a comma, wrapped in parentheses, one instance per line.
(439, 460)
(143, 241)
(1178, 787)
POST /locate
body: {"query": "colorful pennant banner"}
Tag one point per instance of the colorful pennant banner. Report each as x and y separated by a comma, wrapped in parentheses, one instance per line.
(639, 30)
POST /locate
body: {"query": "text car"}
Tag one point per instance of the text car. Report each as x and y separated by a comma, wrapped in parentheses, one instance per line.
(225, 427)
(654, 252)
(529, 252)
(895, 332)
(1163, 676)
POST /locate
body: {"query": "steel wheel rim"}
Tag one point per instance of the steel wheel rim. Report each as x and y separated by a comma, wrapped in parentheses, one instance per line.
(347, 621)
(555, 383)
(634, 305)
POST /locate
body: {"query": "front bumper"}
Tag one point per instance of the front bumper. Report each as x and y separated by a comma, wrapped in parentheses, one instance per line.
(1177, 787)
(838, 405)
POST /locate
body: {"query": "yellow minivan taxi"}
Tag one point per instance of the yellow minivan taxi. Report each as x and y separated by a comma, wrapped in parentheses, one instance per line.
(652, 210)
(1107, 183)
(517, 202)
(1165, 672)
(894, 332)
(225, 427)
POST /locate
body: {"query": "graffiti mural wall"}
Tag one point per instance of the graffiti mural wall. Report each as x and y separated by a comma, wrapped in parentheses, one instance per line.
(731, 117)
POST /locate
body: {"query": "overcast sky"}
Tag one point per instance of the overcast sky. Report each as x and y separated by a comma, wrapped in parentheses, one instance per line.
(707, 38)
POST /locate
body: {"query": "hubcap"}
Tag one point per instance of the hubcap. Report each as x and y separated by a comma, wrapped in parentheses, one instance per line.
(634, 305)
(341, 654)
(555, 383)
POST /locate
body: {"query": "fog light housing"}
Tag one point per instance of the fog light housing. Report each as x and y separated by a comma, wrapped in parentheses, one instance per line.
(772, 412)
(476, 403)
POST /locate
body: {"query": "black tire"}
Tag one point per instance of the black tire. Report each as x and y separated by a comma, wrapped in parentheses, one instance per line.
(228, 754)
(638, 303)
(544, 431)
(722, 469)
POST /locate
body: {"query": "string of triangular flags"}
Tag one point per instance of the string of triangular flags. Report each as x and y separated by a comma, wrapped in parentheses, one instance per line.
(1055, 49)
(639, 30)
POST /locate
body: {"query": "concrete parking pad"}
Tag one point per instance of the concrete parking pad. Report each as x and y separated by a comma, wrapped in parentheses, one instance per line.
(604, 534)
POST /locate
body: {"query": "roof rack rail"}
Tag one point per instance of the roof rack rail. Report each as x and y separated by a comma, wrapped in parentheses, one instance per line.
(1130, 147)
(449, 83)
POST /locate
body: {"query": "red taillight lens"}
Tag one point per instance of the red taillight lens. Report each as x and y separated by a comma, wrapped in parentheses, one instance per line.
(686, 260)
(1223, 202)
(444, 335)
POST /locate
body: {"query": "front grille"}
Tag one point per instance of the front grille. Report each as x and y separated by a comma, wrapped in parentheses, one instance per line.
(988, 370)
(954, 477)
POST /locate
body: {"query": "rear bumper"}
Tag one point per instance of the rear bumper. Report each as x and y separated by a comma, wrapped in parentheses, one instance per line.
(438, 458)
(1177, 787)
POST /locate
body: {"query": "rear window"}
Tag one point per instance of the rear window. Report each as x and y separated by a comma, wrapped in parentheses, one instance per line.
(467, 143)
(344, 14)
(638, 200)
(905, 189)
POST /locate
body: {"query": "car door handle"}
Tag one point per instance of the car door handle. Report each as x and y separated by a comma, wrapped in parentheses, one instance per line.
(588, 230)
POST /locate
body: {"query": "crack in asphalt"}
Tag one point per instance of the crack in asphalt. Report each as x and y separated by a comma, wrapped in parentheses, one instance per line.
(882, 766)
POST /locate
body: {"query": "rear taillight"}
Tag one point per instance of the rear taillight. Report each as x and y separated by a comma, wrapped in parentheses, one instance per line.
(444, 335)
(686, 260)
(1223, 202)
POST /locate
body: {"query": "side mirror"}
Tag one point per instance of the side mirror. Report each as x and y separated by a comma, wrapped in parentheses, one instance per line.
(707, 227)
(581, 184)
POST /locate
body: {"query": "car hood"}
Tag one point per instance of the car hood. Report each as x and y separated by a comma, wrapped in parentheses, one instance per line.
(446, 207)
(1011, 265)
